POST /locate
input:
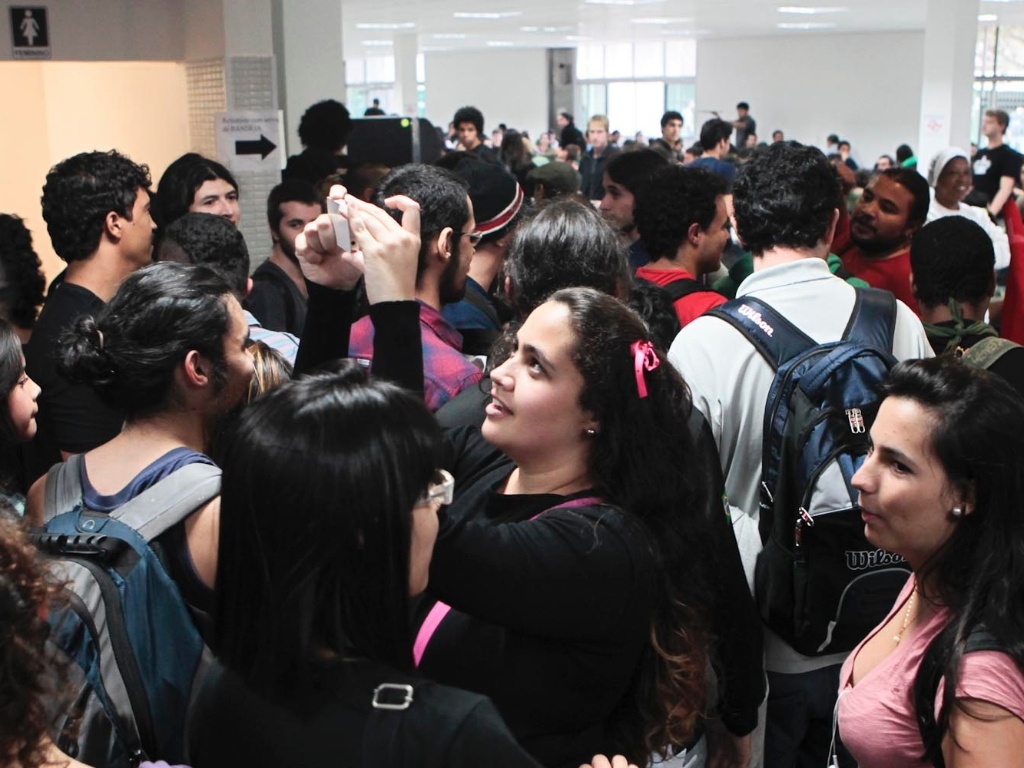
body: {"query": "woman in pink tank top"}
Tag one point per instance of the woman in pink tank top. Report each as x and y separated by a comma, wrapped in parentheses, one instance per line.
(940, 681)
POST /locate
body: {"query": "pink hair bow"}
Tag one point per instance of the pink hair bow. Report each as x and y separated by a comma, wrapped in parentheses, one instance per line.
(644, 359)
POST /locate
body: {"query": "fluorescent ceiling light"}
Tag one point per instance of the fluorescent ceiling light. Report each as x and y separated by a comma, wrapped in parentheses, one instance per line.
(623, 2)
(386, 25)
(662, 20)
(499, 44)
(436, 48)
(806, 25)
(987, 17)
(577, 38)
(482, 15)
(378, 43)
(546, 29)
(449, 36)
(810, 10)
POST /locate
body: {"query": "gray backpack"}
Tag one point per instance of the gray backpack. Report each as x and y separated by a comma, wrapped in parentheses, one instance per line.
(133, 649)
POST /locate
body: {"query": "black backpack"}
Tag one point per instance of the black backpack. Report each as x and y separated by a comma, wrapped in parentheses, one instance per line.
(819, 584)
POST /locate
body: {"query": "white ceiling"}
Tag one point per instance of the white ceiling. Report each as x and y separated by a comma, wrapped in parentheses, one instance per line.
(568, 23)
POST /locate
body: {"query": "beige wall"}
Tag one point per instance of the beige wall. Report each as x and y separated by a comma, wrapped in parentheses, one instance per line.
(57, 109)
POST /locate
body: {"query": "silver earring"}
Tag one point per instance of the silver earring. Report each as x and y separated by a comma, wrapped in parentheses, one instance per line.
(590, 432)
(957, 512)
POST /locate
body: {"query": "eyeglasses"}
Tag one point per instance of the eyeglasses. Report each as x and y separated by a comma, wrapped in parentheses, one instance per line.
(474, 237)
(439, 492)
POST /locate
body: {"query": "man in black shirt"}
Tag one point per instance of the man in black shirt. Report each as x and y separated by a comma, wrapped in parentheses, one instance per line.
(593, 162)
(744, 124)
(670, 144)
(96, 208)
(570, 133)
(469, 123)
(997, 167)
(278, 297)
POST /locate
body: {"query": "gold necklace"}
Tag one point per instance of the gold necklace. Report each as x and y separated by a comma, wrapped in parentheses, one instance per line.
(906, 617)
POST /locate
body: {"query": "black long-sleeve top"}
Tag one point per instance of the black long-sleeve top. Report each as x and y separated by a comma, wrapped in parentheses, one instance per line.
(478, 468)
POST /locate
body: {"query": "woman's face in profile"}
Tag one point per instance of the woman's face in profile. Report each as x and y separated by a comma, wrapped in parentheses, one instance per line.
(906, 497)
(535, 412)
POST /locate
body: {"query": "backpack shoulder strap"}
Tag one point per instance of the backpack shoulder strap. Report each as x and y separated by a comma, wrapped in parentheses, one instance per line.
(777, 339)
(683, 287)
(62, 487)
(171, 500)
(988, 351)
(481, 303)
(873, 320)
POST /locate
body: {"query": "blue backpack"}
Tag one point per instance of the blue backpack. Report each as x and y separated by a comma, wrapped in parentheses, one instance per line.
(818, 582)
(133, 649)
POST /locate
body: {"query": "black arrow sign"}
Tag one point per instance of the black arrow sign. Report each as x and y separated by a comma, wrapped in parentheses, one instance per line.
(263, 147)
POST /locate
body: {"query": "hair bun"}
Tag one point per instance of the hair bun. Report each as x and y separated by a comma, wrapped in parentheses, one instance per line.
(82, 356)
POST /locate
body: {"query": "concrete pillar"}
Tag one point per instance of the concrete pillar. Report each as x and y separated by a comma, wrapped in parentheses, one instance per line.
(950, 36)
(230, 67)
(406, 96)
(310, 65)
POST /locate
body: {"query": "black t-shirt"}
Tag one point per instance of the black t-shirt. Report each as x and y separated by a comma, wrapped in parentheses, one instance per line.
(71, 417)
(324, 722)
(276, 300)
(749, 127)
(990, 165)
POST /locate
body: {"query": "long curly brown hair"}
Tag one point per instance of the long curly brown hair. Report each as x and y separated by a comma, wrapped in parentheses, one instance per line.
(25, 664)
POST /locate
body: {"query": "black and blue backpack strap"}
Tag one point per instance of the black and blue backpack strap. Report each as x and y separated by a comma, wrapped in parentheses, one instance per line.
(777, 339)
(873, 320)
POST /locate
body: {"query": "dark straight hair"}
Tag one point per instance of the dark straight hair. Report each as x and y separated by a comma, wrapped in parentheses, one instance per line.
(978, 574)
(320, 478)
(181, 180)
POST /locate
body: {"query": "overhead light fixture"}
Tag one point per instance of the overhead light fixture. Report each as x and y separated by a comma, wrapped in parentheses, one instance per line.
(806, 25)
(623, 2)
(449, 36)
(486, 15)
(546, 29)
(500, 44)
(436, 48)
(577, 38)
(662, 20)
(810, 10)
(987, 17)
(386, 25)
(378, 43)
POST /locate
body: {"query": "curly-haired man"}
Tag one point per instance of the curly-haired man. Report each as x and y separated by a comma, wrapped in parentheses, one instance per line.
(96, 208)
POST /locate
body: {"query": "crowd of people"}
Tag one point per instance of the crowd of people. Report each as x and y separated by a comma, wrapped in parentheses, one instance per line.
(540, 455)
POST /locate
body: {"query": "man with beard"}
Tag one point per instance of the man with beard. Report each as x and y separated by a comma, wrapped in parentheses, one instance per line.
(278, 297)
(893, 207)
(626, 174)
(448, 240)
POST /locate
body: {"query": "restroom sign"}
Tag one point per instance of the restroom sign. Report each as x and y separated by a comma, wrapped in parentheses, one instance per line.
(30, 32)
